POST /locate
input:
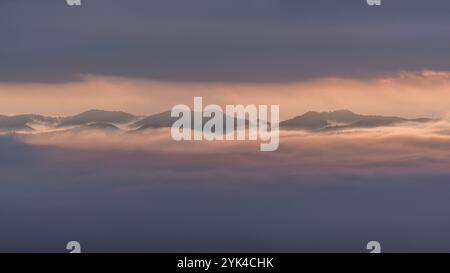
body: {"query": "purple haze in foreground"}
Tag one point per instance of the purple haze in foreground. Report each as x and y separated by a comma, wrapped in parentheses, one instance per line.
(299, 199)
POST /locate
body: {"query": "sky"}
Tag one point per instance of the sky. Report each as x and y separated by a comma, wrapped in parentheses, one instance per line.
(320, 191)
(406, 94)
(214, 40)
(175, 39)
(132, 55)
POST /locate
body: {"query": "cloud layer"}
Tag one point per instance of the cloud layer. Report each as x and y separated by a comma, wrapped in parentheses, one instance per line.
(232, 41)
(410, 94)
(320, 193)
(403, 148)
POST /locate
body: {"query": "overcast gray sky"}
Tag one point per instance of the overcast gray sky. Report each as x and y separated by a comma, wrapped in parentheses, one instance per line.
(216, 40)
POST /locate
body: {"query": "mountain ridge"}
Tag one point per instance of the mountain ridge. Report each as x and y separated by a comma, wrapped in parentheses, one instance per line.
(342, 119)
(111, 120)
(97, 116)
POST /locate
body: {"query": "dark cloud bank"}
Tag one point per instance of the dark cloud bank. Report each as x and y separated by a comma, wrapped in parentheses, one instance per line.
(217, 40)
(134, 201)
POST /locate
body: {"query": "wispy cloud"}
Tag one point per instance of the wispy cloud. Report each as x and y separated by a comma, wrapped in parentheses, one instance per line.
(404, 148)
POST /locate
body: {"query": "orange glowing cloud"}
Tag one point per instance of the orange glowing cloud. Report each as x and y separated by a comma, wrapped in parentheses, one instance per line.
(409, 94)
(409, 147)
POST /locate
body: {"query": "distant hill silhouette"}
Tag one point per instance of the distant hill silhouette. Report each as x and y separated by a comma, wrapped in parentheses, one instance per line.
(159, 120)
(164, 120)
(109, 121)
(341, 119)
(105, 127)
(97, 116)
(21, 122)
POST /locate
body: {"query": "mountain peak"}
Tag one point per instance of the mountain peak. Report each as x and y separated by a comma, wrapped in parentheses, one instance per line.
(101, 111)
(343, 111)
(340, 119)
(98, 116)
